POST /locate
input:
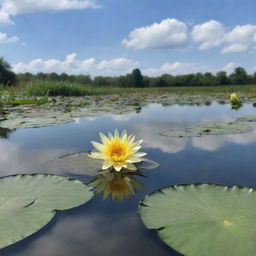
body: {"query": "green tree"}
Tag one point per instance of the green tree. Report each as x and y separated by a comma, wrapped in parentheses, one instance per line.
(222, 78)
(137, 78)
(239, 76)
(7, 77)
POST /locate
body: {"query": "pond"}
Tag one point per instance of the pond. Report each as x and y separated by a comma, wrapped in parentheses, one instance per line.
(113, 227)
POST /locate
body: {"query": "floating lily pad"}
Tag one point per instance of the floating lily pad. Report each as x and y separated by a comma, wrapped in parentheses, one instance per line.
(200, 220)
(81, 163)
(210, 129)
(75, 163)
(29, 202)
(35, 122)
(249, 118)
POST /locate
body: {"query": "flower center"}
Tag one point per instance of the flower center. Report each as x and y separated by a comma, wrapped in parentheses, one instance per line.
(118, 153)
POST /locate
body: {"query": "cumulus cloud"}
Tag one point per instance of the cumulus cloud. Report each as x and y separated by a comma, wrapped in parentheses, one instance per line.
(229, 67)
(4, 38)
(173, 68)
(212, 34)
(209, 34)
(72, 65)
(169, 33)
(176, 68)
(10, 8)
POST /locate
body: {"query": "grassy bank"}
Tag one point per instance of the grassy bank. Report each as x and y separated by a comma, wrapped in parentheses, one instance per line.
(44, 88)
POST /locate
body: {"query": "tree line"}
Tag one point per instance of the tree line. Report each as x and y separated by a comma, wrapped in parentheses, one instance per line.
(134, 79)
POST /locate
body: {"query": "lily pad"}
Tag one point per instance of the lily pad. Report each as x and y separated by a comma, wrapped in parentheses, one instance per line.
(249, 118)
(199, 220)
(29, 202)
(210, 129)
(81, 163)
(75, 163)
(35, 122)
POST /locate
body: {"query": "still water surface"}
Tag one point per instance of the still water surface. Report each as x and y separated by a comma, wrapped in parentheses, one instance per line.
(114, 228)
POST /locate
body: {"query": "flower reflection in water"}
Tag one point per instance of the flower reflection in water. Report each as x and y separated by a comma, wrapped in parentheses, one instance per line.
(119, 185)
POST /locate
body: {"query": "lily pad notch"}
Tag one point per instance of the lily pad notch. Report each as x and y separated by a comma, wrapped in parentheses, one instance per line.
(29, 202)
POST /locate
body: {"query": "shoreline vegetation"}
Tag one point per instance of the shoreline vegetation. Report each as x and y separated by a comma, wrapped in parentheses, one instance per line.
(49, 88)
(53, 84)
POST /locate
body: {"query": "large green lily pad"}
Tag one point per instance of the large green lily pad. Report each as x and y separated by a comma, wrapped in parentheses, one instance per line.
(29, 202)
(210, 129)
(200, 220)
(80, 163)
(249, 118)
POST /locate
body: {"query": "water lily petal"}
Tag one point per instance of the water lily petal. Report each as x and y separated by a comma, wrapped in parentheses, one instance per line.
(131, 166)
(98, 146)
(96, 155)
(134, 160)
(124, 134)
(131, 139)
(139, 154)
(110, 135)
(117, 167)
(106, 164)
(104, 138)
(116, 134)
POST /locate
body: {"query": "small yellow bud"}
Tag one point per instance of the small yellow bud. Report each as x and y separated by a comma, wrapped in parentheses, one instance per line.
(234, 98)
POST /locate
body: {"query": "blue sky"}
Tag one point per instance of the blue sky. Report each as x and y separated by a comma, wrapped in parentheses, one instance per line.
(112, 37)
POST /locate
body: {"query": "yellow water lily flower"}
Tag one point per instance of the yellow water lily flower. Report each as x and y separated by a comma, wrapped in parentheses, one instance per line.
(118, 151)
(234, 98)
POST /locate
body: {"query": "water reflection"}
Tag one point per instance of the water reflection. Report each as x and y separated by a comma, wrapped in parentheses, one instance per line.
(5, 133)
(108, 227)
(236, 106)
(117, 185)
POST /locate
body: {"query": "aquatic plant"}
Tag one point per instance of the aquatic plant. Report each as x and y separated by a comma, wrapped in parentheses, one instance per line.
(234, 99)
(118, 151)
(236, 103)
(81, 163)
(29, 202)
(248, 118)
(218, 128)
(199, 220)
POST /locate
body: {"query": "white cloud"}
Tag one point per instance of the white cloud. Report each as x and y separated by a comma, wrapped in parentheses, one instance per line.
(209, 34)
(4, 38)
(176, 68)
(173, 68)
(72, 65)
(235, 48)
(229, 67)
(169, 33)
(212, 34)
(13, 7)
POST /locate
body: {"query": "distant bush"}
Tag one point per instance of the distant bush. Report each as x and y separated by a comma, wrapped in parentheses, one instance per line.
(50, 88)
